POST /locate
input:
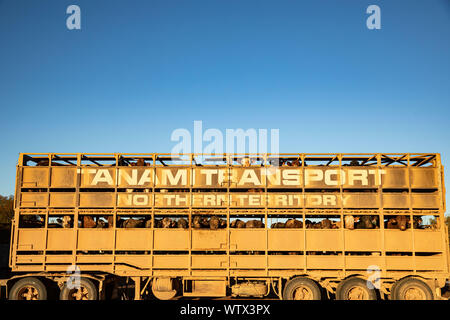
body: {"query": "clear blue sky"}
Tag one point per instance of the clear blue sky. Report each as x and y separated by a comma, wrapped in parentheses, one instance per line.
(137, 70)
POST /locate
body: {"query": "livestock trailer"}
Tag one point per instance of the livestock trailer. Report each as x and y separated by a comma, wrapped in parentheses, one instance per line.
(295, 226)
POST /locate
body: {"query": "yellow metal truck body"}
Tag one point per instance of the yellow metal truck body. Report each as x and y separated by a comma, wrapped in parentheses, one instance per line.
(115, 187)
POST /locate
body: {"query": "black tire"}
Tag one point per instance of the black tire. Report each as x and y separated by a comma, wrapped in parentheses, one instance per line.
(29, 288)
(86, 291)
(355, 289)
(301, 288)
(411, 289)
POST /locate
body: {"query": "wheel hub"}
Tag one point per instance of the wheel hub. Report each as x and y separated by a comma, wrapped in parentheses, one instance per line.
(81, 293)
(29, 293)
(303, 293)
(357, 293)
(414, 293)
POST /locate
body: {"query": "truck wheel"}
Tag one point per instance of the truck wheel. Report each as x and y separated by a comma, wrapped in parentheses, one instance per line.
(85, 291)
(301, 289)
(355, 289)
(411, 289)
(28, 289)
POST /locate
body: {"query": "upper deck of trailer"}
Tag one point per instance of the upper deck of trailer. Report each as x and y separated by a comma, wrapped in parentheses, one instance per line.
(394, 181)
(267, 159)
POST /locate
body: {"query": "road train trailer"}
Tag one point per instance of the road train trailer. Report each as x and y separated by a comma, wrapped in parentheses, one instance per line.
(294, 226)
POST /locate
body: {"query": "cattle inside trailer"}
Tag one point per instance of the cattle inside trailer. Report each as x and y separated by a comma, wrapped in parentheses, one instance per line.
(294, 226)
